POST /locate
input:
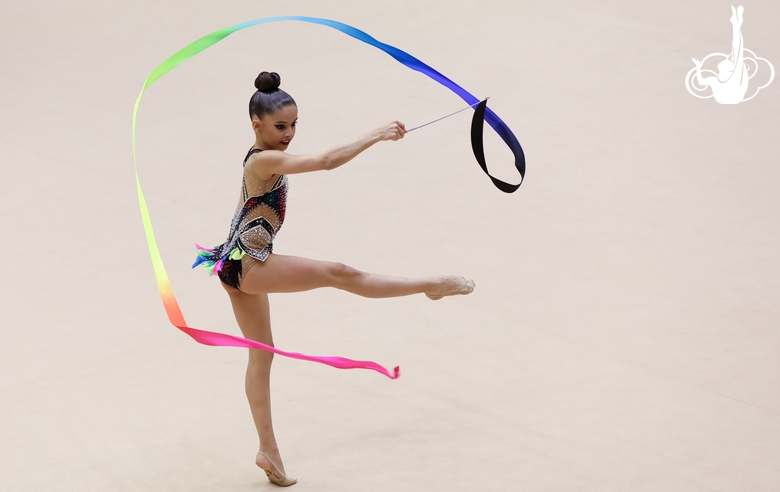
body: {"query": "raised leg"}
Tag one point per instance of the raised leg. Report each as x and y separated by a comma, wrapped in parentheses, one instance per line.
(736, 35)
(254, 319)
(281, 273)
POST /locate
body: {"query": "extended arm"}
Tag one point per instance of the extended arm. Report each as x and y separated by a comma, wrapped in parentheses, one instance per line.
(277, 162)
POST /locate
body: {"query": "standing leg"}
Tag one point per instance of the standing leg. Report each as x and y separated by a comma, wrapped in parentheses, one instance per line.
(253, 316)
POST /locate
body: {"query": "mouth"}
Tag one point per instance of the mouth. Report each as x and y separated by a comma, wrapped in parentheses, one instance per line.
(285, 142)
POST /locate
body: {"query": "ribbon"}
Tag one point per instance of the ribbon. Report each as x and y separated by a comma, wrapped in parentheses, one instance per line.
(481, 114)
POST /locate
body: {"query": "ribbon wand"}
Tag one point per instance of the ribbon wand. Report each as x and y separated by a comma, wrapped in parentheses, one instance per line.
(447, 116)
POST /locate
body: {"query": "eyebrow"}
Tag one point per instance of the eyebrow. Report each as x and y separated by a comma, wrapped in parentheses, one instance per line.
(285, 121)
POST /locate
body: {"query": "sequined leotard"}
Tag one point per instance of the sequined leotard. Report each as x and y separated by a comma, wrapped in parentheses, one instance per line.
(257, 219)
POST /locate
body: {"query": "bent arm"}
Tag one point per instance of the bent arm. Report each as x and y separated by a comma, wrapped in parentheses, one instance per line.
(701, 80)
(277, 162)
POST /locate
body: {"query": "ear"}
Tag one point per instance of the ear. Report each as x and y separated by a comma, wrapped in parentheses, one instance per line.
(257, 124)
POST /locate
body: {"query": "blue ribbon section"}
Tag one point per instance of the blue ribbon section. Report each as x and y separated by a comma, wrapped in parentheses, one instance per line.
(481, 113)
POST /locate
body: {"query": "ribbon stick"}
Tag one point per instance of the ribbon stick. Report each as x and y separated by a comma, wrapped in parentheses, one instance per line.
(481, 113)
(443, 117)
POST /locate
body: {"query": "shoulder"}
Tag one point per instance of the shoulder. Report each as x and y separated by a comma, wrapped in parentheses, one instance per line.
(272, 162)
(259, 163)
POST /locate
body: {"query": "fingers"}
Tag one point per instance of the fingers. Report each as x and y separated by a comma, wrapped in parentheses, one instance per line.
(394, 131)
(401, 129)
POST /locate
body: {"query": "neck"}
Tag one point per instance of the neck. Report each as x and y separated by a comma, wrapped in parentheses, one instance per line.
(259, 144)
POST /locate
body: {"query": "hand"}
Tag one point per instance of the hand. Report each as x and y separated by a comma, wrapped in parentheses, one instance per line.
(392, 131)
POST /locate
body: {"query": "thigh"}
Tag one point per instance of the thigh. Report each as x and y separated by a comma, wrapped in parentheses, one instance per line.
(252, 314)
(282, 273)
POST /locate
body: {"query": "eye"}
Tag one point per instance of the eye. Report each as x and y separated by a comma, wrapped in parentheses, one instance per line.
(280, 127)
(295, 123)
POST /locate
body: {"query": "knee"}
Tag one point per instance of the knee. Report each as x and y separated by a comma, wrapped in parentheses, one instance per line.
(260, 360)
(344, 274)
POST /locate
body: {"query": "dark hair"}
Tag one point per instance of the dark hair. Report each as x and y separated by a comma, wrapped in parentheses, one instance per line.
(269, 98)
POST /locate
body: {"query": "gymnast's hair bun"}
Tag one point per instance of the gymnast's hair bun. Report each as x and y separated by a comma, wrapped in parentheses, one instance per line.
(268, 81)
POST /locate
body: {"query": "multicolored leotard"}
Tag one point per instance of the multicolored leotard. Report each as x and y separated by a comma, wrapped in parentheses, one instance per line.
(258, 218)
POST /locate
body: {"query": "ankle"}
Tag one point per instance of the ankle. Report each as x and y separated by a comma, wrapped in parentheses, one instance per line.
(435, 284)
(269, 449)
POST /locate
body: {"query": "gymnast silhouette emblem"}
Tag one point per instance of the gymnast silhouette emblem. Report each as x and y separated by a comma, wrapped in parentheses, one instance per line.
(735, 70)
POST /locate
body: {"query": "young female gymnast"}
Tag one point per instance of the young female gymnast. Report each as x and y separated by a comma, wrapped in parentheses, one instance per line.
(731, 84)
(249, 271)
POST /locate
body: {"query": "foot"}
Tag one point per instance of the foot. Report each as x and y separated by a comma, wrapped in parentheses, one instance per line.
(451, 286)
(274, 473)
(736, 15)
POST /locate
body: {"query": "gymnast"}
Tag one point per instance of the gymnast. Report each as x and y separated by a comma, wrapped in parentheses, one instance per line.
(730, 85)
(249, 270)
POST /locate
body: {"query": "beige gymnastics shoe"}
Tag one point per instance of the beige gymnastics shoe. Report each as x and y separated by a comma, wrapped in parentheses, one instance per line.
(466, 287)
(270, 469)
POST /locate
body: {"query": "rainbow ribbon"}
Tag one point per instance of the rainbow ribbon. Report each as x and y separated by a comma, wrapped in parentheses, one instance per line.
(481, 113)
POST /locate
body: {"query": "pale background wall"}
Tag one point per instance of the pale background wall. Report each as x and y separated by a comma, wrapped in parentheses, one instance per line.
(623, 334)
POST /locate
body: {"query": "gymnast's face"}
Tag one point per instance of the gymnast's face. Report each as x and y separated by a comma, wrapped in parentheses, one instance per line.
(275, 131)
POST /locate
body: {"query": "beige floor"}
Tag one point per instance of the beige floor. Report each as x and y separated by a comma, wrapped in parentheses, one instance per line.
(624, 330)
